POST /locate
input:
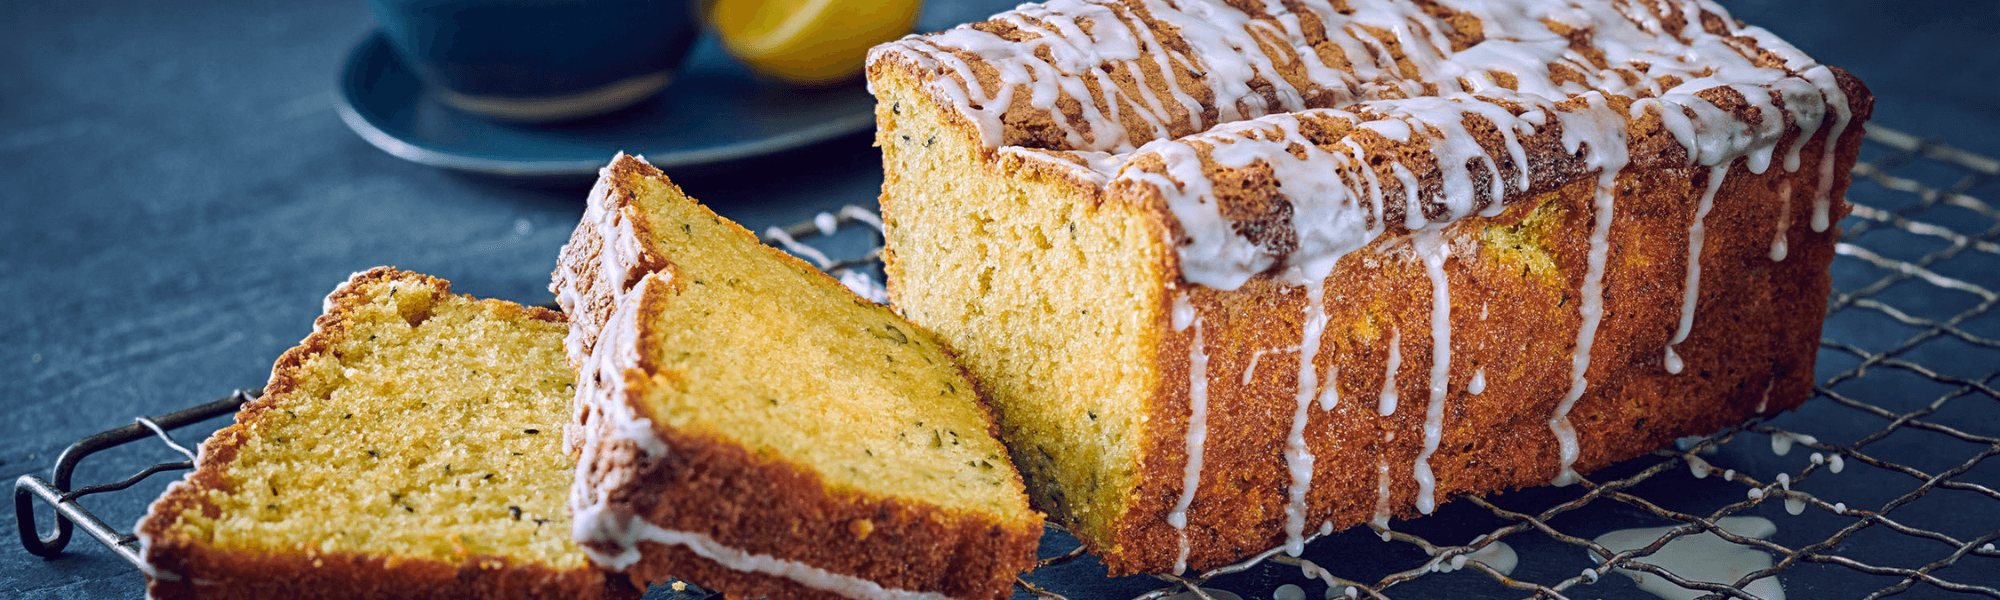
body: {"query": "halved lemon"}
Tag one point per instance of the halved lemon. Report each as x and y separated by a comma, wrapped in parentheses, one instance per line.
(809, 42)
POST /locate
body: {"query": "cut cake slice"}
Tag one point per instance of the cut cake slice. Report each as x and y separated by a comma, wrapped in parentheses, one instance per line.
(406, 449)
(748, 424)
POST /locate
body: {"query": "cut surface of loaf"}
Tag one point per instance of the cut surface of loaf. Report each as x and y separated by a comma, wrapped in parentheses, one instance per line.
(410, 447)
(748, 424)
(1232, 279)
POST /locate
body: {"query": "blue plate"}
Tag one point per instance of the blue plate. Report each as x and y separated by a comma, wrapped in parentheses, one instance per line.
(715, 110)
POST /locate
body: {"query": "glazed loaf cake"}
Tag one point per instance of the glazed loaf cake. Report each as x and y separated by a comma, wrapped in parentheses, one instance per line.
(1234, 276)
(748, 424)
(409, 448)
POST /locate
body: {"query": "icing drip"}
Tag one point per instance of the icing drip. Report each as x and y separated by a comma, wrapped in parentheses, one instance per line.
(1478, 383)
(1251, 369)
(613, 437)
(1692, 288)
(1381, 520)
(1298, 458)
(1387, 405)
(1837, 100)
(619, 251)
(1431, 249)
(1778, 245)
(1329, 395)
(1781, 442)
(1605, 151)
(1197, 432)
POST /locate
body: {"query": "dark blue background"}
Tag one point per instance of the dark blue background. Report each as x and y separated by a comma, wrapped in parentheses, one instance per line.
(177, 194)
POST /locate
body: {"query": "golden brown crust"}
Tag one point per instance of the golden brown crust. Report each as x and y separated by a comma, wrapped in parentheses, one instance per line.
(764, 504)
(189, 568)
(229, 574)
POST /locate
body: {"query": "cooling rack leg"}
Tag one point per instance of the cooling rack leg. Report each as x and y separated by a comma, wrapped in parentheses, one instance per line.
(25, 490)
(68, 512)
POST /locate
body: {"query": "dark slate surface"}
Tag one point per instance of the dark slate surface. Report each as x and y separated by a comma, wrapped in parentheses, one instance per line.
(177, 194)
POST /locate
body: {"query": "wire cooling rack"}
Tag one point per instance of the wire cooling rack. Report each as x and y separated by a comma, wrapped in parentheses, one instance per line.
(1879, 486)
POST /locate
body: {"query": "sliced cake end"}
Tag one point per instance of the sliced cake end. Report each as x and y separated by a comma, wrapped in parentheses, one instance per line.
(750, 425)
(408, 448)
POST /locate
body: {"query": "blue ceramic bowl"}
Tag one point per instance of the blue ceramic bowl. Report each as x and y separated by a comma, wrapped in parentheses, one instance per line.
(540, 60)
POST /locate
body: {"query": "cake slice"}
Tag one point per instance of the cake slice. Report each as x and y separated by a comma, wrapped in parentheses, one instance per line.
(748, 424)
(408, 448)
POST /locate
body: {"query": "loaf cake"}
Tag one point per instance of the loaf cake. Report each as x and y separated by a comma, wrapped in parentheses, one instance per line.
(1236, 275)
(410, 447)
(749, 425)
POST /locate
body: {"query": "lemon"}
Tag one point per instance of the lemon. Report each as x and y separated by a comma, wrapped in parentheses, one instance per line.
(809, 42)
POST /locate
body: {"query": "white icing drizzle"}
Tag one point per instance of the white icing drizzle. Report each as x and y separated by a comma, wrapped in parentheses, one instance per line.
(1496, 554)
(1251, 369)
(1778, 246)
(1567, 447)
(1691, 289)
(863, 215)
(1184, 316)
(1478, 383)
(1057, 59)
(1781, 442)
(810, 253)
(627, 531)
(1431, 249)
(1381, 520)
(1299, 458)
(863, 285)
(1329, 394)
(1837, 100)
(1699, 556)
(1387, 405)
(612, 438)
(1605, 151)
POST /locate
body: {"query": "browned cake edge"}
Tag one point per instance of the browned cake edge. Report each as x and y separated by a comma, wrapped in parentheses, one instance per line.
(1243, 514)
(745, 502)
(181, 567)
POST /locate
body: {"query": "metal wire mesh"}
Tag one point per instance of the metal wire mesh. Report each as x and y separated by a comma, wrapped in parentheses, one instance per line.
(1908, 396)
